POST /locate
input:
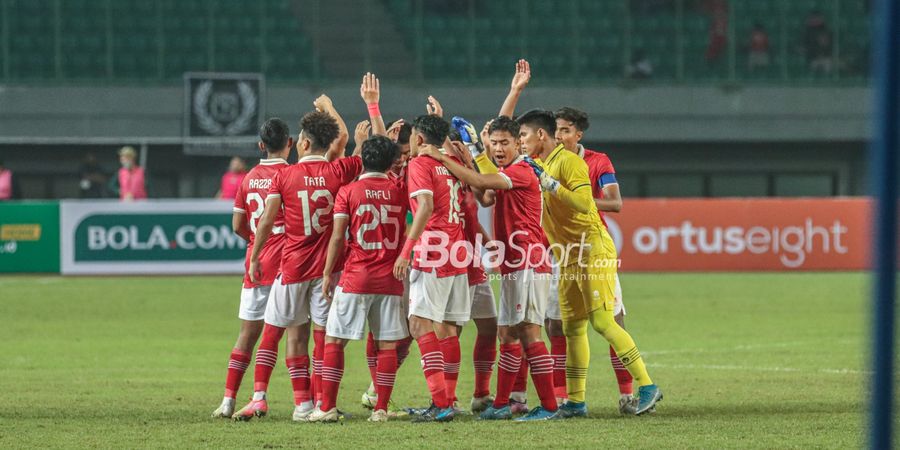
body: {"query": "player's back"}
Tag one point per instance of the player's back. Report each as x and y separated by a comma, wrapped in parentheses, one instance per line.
(308, 190)
(376, 209)
(250, 200)
(427, 175)
(517, 219)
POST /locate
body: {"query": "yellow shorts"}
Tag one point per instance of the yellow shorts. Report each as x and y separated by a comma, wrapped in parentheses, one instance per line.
(589, 283)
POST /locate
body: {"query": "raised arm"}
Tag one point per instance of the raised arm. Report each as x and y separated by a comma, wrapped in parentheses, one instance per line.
(360, 135)
(336, 150)
(335, 246)
(519, 81)
(370, 91)
(612, 199)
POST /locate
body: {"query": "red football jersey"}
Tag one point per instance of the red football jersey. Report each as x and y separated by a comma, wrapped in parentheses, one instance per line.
(444, 227)
(517, 220)
(376, 208)
(307, 191)
(600, 171)
(250, 200)
(475, 270)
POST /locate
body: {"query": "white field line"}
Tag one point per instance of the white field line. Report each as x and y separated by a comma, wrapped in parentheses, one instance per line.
(745, 347)
(757, 368)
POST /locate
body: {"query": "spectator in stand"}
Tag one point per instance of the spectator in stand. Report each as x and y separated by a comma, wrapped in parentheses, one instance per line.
(93, 178)
(9, 186)
(718, 30)
(237, 169)
(758, 58)
(130, 183)
(640, 68)
(818, 44)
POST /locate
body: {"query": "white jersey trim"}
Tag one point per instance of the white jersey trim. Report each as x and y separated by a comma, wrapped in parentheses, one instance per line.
(373, 175)
(239, 210)
(341, 215)
(422, 191)
(506, 177)
(272, 161)
(312, 158)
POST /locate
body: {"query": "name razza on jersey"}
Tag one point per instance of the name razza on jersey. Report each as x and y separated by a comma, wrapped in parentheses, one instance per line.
(259, 183)
(377, 194)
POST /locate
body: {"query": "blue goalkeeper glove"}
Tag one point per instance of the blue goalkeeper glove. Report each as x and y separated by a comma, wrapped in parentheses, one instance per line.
(548, 183)
(469, 135)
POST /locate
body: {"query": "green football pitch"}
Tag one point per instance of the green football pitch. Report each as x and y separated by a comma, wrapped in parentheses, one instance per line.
(745, 360)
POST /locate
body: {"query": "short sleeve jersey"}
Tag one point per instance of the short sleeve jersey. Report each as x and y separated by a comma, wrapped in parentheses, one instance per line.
(308, 190)
(375, 207)
(517, 220)
(444, 228)
(250, 200)
(600, 171)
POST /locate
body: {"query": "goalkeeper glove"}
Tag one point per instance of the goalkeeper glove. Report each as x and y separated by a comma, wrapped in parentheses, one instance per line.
(548, 183)
(469, 135)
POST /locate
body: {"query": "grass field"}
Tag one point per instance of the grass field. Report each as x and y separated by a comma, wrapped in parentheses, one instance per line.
(745, 360)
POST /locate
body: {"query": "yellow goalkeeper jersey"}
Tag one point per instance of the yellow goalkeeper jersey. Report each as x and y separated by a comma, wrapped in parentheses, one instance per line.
(562, 223)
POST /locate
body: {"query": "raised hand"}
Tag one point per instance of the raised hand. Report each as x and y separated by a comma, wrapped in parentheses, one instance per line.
(362, 131)
(522, 75)
(394, 131)
(434, 107)
(323, 103)
(485, 135)
(370, 89)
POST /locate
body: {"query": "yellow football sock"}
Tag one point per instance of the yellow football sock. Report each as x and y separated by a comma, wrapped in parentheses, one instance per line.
(578, 356)
(604, 323)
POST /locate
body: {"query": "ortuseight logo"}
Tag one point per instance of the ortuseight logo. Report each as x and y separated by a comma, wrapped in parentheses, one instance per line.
(157, 237)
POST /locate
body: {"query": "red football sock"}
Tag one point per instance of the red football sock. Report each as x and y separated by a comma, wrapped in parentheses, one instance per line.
(452, 358)
(266, 356)
(298, 369)
(507, 370)
(403, 346)
(371, 355)
(386, 373)
(332, 372)
(318, 356)
(433, 367)
(521, 384)
(558, 352)
(542, 374)
(483, 356)
(622, 375)
(237, 365)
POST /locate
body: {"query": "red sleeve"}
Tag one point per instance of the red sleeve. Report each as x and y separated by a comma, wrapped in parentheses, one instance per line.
(349, 168)
(341, 206)
(275, 188)
(239, 205)
(605, 165)
(419, 179)
(519, 175)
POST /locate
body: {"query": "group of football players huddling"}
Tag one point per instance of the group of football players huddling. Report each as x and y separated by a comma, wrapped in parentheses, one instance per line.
(389, 237)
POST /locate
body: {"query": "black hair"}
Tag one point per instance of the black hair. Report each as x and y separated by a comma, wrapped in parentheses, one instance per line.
(320, 128)
(405, 132)
(577, 117)
(274, 133)
(379, 153)
(539, 118)
(505, 123)
(433, 128)
(454, 135)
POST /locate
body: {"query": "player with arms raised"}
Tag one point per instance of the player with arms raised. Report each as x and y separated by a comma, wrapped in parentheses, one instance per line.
(439, 291)
(306, 191)
(274, 139)
(373, 210)
(587, 262)
(515, 194)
